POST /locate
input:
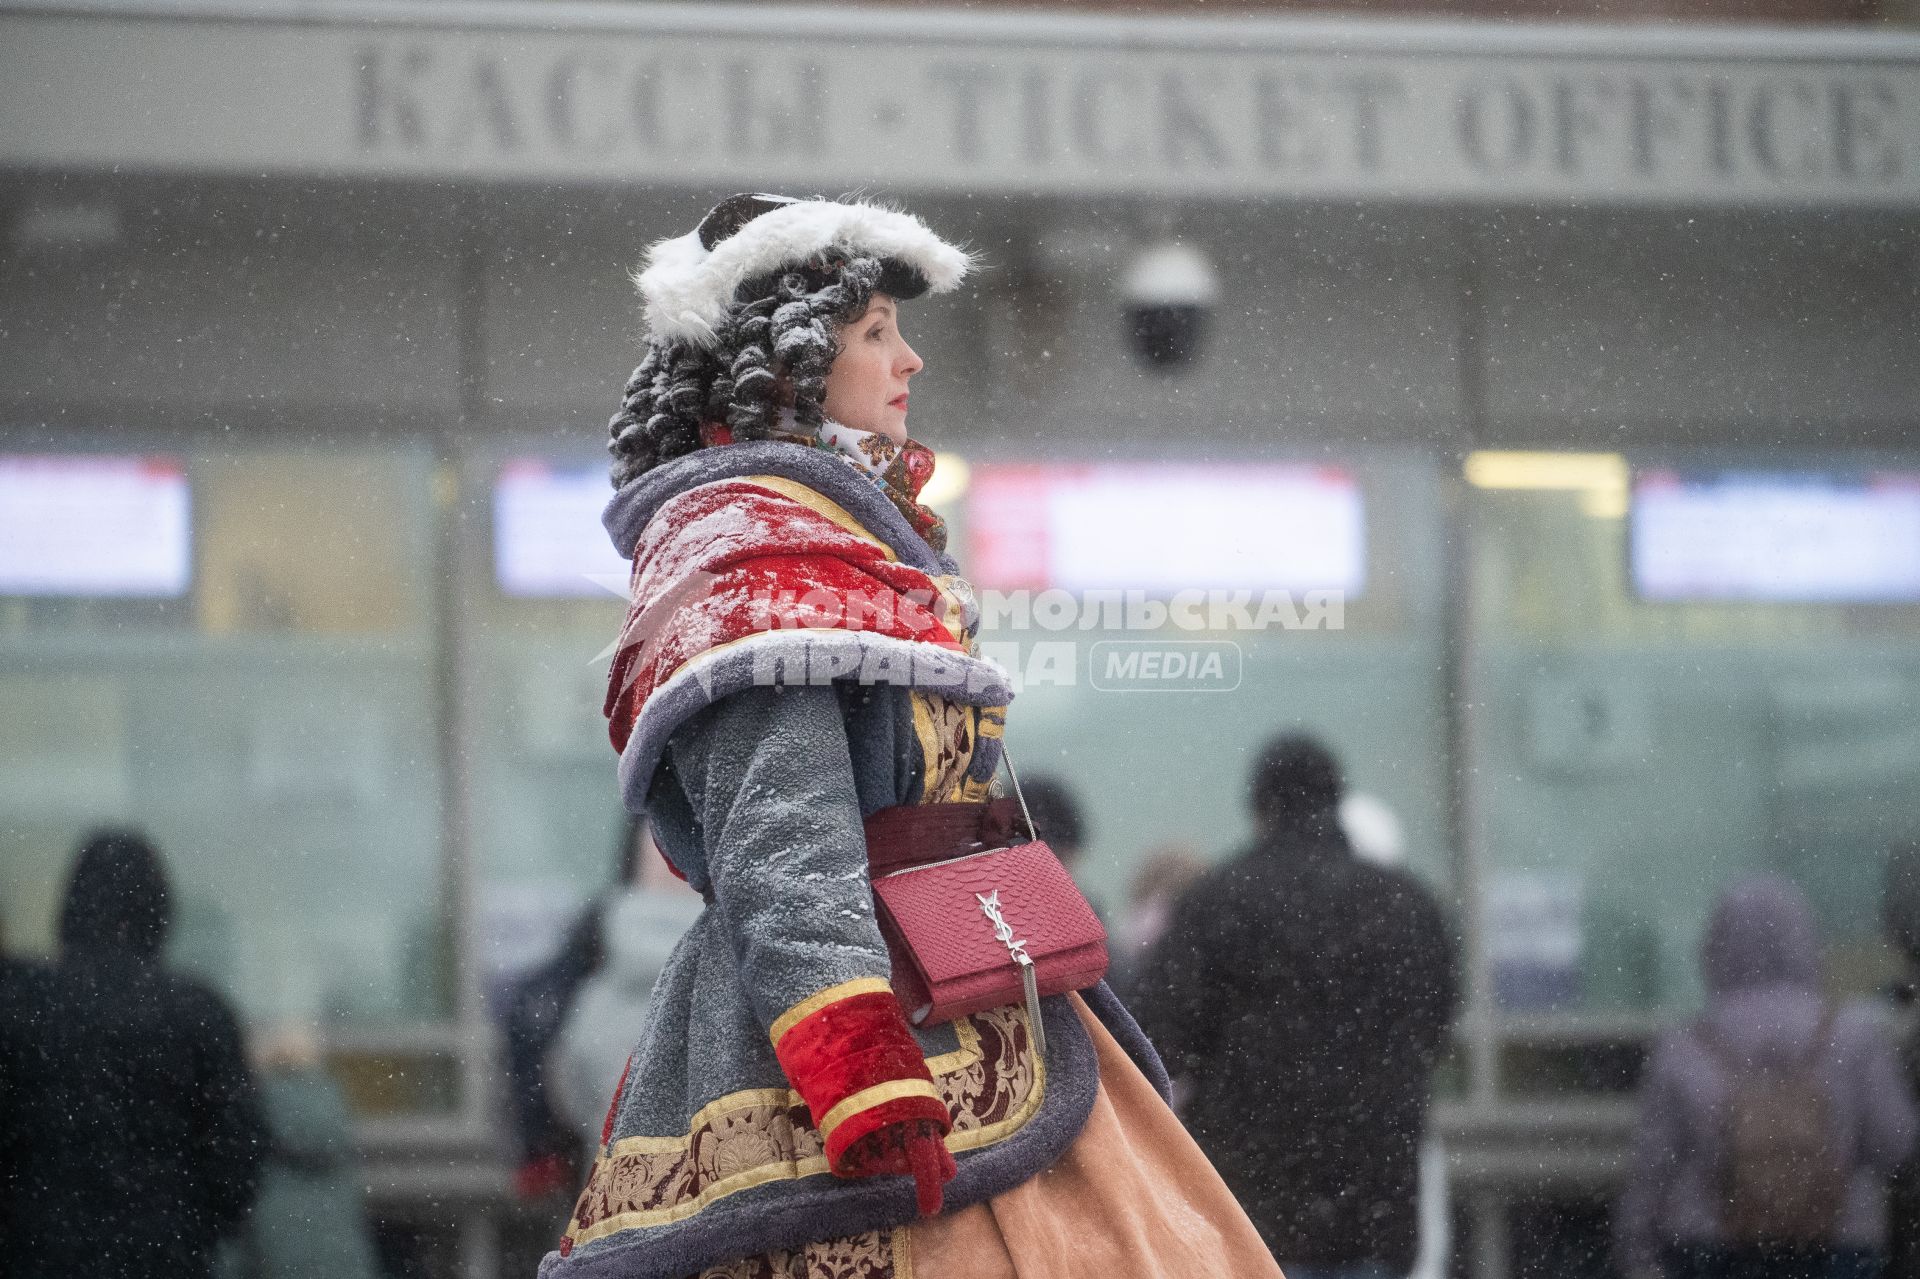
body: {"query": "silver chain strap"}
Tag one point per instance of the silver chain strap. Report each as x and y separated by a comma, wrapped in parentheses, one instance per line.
(1028, 978)
(1032, 830)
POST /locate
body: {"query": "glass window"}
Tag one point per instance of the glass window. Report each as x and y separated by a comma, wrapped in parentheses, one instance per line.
(1157, 750)
(269, 719)
(546, 596)
(1639, 740)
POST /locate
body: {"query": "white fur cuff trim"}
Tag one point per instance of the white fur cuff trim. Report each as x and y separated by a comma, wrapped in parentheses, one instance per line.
(687, 289)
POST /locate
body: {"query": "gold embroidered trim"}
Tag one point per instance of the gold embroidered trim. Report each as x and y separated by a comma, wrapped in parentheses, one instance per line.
(991, 1088)
(819, 504)
(960, 1058)
(967, 1054)
(703, 1118)
(951, 612)
(878, 1095)
(812, 1004)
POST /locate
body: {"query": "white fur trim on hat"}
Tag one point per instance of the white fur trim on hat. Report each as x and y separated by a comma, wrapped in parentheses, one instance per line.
(687, 289)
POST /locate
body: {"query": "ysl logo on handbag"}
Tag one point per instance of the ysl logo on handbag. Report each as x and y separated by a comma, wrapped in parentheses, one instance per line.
(990, 907)
(1003, 932)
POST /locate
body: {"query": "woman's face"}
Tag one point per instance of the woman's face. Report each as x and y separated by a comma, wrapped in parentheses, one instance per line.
(867, 385)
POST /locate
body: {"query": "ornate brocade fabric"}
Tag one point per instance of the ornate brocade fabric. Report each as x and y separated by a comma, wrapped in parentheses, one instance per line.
(991, 1085)
(949, 733)
(872, 1255)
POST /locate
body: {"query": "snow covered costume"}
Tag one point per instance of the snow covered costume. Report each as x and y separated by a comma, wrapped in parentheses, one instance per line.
(800, 654)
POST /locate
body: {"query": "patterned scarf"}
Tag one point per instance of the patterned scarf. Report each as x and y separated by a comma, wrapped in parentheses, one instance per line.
(898, 470)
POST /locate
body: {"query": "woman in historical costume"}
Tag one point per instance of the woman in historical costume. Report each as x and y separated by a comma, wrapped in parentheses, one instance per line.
(799, 655)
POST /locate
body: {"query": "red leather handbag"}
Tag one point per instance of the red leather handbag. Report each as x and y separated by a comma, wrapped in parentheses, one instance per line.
(978, 913)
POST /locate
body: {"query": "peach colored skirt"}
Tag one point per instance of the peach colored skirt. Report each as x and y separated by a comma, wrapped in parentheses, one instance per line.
(1131, 1196)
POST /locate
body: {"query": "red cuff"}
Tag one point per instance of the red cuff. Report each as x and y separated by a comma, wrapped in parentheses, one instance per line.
(856, 1064)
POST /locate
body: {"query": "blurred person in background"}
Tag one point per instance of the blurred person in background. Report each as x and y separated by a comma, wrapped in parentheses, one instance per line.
(135, 1135)
(1057, 817)
(1900, 916)
(546, 1155)
(1379, 837)
(17, 996)
(761, 447)
(1304, 996)
(548, 1162)
(1769, 1124)
(641, 926)
(1165, 872)
(16, 979)
(310, 1221)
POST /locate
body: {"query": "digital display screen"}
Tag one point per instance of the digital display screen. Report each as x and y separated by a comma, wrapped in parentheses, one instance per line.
(547, 539)
(1164, 528)
(1800, 537)
(94, 526)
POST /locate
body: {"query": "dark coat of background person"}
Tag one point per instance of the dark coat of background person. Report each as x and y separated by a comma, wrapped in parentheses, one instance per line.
(547, 1146)
(1059, 820)
(1056, 816)
(133, 1134)
(1900, 915)
(548, 1150)
(1903, 1196)
(1304, 995)
(19, 989)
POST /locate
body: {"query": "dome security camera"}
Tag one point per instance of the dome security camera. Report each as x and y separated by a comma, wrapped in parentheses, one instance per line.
(1169, 291)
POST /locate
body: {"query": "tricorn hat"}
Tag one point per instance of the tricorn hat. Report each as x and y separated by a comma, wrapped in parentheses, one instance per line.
(689, 282)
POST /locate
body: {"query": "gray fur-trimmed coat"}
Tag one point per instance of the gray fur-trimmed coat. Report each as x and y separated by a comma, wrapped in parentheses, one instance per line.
(758, 797)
